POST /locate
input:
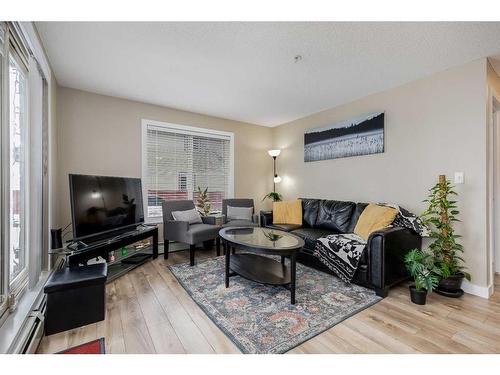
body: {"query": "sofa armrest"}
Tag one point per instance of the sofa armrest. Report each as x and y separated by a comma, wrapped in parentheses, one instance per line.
(175, 230)
(386, 250)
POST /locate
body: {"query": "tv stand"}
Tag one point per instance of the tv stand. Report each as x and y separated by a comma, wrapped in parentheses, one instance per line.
(85, 252)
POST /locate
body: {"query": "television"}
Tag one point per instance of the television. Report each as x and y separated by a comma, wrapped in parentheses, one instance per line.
(103, 204)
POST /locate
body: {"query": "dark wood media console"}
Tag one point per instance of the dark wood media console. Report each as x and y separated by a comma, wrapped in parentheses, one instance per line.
(103, 247)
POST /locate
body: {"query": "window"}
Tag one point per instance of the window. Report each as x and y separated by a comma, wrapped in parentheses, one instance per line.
(182, 181)
(178, 159)
(3, 257)
(23, 108)
(17, 175)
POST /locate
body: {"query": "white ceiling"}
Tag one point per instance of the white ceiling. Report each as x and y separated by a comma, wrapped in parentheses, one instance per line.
(246, 71)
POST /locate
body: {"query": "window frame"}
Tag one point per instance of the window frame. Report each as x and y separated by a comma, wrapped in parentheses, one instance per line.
(187, 130)
(20, 282)
(4, 262)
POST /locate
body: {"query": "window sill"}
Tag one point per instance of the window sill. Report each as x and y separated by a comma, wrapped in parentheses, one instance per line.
(13, 325)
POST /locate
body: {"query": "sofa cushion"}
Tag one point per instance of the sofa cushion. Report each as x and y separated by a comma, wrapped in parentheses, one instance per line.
(356, 213)
(284, 227)
(310, 235)
(334, 215)
(309, 211)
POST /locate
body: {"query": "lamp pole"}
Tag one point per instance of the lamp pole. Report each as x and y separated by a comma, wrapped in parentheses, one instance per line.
(274, 174)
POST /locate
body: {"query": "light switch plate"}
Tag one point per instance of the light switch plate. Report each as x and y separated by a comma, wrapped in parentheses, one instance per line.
(459, 178)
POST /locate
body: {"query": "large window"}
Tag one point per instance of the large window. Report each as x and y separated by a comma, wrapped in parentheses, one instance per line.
(23, 108)
(178, 159)
(3, 257)
(17, 175)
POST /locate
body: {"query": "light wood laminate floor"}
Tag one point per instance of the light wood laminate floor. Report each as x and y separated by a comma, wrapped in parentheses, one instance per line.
(149, 312)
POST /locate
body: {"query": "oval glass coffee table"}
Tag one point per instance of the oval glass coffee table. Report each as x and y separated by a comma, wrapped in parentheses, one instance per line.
(252, 265)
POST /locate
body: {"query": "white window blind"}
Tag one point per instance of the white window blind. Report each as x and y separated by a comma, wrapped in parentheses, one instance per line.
(178, 159)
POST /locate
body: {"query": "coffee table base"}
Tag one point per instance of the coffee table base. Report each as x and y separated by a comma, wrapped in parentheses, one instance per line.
(262, 269)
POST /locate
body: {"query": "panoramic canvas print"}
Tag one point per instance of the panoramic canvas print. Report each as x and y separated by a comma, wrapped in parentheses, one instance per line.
(358, 136)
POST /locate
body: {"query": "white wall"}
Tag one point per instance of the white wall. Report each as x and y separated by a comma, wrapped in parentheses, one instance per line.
(433, 126)
(102, 135)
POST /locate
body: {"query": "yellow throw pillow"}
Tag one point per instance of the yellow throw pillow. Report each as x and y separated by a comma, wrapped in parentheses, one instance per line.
(289, 212)
(373, 218)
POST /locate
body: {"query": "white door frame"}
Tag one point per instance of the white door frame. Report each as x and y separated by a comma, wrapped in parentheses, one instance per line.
(493, 110)
(495, 260)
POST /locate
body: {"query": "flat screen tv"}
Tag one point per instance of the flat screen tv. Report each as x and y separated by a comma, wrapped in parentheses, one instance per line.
(101, 204)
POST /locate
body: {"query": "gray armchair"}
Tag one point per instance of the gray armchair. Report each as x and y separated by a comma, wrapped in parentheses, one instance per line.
(228, 222)
(182, 231)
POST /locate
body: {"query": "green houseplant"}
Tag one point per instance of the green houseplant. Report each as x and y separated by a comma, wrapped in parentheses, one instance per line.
(423, 270)
(439, 217)
(274, 196)
(203, 202)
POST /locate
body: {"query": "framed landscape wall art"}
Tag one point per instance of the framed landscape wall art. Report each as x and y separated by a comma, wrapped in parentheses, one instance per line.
(358, 136)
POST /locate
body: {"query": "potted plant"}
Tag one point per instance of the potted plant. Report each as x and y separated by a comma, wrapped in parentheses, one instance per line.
(203, 202)
(275, 197)
(422, 269)
(439, 217)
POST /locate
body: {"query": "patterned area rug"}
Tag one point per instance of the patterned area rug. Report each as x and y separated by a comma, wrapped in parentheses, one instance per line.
(259, 318)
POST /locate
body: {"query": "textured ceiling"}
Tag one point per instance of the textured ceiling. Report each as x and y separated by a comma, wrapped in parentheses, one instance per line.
(246, 71)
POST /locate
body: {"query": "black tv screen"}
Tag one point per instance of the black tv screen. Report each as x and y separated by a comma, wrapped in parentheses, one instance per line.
(100, 204)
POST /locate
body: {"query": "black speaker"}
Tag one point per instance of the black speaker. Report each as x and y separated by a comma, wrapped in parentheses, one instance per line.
(56, 238)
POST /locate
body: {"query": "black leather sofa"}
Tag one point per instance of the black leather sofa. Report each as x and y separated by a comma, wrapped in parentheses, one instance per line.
(381, 265)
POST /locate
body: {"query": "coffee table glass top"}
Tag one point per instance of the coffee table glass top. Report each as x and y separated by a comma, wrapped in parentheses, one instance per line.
(262, 238)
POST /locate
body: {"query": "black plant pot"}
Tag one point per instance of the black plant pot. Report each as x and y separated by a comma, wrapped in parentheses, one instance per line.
(418, 296)
(451, 286)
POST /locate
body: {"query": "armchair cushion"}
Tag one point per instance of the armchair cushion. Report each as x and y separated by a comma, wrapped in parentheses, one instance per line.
(201, 232)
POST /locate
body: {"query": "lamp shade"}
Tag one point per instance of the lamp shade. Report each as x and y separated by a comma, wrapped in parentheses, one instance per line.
(277, 179)
(274, 153)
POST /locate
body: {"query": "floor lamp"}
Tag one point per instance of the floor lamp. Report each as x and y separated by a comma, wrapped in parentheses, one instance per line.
(276, 179)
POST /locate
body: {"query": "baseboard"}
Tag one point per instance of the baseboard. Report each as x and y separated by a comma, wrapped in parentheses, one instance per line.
(480, 291)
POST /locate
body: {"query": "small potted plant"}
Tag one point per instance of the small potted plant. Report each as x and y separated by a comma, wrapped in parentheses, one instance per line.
(439, 218)
(422, 269)
(274, 196)
(203, 202)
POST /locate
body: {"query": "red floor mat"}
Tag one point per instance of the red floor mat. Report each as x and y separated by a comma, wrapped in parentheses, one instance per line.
(92, 347)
